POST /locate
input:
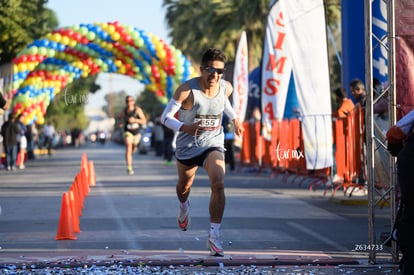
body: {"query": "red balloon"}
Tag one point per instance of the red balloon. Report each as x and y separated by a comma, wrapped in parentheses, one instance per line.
(70, 33)
(22, 58)
(77, 36)
(31, 58)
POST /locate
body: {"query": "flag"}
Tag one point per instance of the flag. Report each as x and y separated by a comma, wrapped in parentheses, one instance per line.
(241, 79)
(296, 42)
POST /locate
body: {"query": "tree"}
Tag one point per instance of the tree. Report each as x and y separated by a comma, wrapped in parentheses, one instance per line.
(216, 23)
(21, 22)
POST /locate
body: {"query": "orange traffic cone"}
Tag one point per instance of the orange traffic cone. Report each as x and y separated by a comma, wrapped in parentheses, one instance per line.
(74, 212)
(65, 229)
(77, 197)
(91, 174)
(84, 163)
(84, 179)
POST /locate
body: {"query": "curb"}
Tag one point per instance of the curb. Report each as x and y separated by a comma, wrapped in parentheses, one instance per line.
(74, 258)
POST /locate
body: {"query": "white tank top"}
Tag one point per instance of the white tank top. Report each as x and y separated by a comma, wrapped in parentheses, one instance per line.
(210, 112)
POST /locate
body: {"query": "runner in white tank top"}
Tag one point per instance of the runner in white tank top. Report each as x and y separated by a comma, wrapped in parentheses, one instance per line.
(200, 103)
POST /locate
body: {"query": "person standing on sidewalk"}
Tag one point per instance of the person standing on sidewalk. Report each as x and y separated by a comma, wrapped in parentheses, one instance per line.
(168, 145)
(200, 103)
(131, 118)
(49, 132)
(3, 103)
(10, 130)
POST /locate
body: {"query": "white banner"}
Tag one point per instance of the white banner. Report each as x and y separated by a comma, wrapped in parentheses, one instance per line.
(297, 35)
(241, 79)
(276, 69)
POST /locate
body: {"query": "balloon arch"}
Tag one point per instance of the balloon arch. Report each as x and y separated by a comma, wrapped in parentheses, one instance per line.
(47, 65)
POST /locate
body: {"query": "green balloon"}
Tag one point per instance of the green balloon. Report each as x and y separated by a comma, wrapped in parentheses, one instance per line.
(50, 53)
(42, 51)
(83, 31)
(33, 50)
(91, 35)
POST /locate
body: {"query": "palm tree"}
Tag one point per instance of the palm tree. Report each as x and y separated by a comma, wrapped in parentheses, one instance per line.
(217, 23)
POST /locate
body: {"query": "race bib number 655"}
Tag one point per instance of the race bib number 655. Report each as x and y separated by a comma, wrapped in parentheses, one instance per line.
(209, 122)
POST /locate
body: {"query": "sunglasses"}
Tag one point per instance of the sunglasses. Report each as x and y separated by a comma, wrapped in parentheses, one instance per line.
(212, 70)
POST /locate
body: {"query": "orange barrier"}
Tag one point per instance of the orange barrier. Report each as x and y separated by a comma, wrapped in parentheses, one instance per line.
(245, 155)
(284, 152)
(350, 154)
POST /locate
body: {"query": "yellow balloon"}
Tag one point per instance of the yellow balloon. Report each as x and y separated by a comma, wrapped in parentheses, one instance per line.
(72, 43)
(31, 66)
(118, 63)
(65, 40)
(22, 67)
(26, 120)
(56, 37)
(40, 120)
(110, 29)
(161, 54)
(115, 36)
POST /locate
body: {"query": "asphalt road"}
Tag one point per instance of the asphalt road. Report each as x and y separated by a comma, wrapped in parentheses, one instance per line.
(266, 218)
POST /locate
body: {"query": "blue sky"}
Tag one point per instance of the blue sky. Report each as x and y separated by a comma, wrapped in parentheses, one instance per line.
(145, 15)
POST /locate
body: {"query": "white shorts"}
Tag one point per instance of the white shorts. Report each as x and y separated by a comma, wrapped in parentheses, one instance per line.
(23, 142)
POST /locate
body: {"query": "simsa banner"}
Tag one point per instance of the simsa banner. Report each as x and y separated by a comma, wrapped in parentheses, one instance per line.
(295, 43)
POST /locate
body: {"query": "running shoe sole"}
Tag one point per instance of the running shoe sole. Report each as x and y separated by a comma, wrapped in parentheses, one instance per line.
(184, 225)
(214, 249)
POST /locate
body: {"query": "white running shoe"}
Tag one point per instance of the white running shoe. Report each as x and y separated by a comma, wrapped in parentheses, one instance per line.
(130, 171)
(214, 245)
(183, 218)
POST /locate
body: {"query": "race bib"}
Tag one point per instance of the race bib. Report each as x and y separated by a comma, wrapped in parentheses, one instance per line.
(133, 126)
(209, 122)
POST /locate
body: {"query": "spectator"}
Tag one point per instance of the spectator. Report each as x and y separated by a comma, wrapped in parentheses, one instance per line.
(10, 131)
(168, 144)
(21, 141)
(158, 135)
(358, 91)
(49, 132)
(345, 104)
(3, 103)
(381, 106)
(228, 128)
(31, 136)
